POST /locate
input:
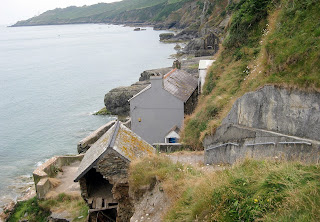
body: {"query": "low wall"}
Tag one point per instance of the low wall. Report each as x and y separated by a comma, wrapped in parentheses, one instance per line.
(232, 143)
(49, 169)
(86, 143)
(168, 147)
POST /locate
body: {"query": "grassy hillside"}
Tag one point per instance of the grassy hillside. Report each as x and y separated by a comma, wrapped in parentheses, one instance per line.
(123, 11)
(249, 191)
(267, 42)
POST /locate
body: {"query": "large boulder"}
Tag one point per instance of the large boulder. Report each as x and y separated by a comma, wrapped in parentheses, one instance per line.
(116, 100)
(146, 74)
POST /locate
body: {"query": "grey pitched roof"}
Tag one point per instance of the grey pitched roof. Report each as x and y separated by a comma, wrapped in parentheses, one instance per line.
(175, 128)
(119, 138)
(180, 84)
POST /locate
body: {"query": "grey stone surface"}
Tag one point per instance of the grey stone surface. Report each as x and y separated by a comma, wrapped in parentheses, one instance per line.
(285, 111)
(146, 74)
(268, 115)
(86, 143)
(116, 100)
(240, 142)
(204, 46)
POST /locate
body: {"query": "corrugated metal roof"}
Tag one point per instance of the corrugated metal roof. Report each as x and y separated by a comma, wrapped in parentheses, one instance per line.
(204, 64)
(119, 138)
(180, 84)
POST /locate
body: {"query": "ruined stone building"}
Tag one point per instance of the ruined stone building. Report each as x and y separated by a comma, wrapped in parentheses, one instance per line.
(162, 105)
(103, 173)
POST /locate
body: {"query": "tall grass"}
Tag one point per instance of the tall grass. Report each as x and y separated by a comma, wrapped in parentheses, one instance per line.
(253, 191)
(159, 168)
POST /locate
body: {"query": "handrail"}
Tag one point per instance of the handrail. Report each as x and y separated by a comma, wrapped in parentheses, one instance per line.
(255, 144)
(299, 142)
(225, 144)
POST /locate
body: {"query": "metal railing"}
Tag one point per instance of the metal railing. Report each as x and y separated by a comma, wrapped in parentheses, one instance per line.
(257, 144)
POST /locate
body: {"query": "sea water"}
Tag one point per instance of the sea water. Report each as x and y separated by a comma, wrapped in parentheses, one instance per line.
(52, 78)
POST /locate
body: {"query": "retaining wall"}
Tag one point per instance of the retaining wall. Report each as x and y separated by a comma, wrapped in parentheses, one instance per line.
(50, 169)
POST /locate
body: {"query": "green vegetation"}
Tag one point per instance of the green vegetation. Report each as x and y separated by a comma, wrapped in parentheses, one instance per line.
(29, 210)
(293, 48)
(103, 111)
(253, 191)
(35, 210)
(249, 191)
(267, 42)
(122, 11)
(148, 170)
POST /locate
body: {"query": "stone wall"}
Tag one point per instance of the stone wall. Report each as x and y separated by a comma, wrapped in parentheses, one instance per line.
(49, 169)
(114, 168)
(191, 103)
(86, 143)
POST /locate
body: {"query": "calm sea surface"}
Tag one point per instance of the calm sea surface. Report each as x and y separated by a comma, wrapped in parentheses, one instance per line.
(52, 78)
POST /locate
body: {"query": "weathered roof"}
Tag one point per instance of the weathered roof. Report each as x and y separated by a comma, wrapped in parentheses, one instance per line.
(204, 64)
(174, 129)
(119, 138)
(180, 84)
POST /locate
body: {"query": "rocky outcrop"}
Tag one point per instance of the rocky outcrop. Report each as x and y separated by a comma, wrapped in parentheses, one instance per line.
(146, 74)
(116, 100)
(204, 46)
(272, 122)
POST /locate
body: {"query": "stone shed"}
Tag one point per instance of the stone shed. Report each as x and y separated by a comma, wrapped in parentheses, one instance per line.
(103, 173)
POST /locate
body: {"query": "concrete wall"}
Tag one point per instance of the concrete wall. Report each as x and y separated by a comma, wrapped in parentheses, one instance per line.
(232, 143)
(282, 123)
(49, 169)
(168, 147)
(286, 111)
(159, 112)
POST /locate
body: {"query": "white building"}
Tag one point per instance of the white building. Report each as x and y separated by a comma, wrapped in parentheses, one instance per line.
(203, 69)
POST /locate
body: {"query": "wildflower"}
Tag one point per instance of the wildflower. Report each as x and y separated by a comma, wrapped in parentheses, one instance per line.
(255, 200)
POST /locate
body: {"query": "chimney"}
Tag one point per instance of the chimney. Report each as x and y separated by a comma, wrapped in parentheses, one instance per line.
(156, 81)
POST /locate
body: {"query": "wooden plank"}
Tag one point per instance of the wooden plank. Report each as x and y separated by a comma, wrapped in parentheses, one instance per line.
(99, 203)
(94, 203)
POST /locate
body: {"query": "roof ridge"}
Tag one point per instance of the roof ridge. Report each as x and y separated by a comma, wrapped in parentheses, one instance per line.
(169, 73)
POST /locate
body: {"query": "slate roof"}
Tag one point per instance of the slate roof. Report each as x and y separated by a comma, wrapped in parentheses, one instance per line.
(119, 138)
(178, 83)
(174, 129)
